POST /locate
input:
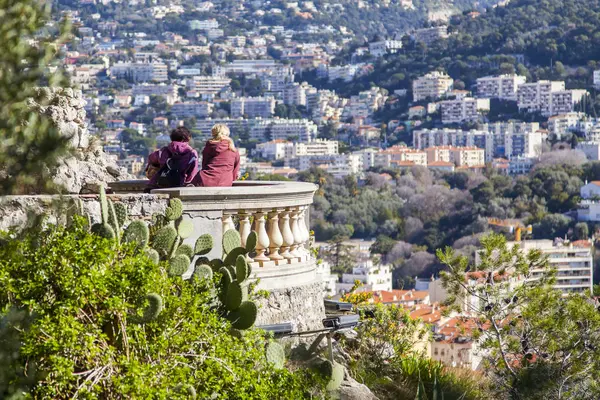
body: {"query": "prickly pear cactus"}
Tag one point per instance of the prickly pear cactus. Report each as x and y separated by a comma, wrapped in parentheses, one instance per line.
(122, 214)
(185, 249)
(164, 239)
(333, 373)
(204, 244)
(231, 240)
(174, 210)
(245, 316)
(185, 228)
(152, 255)
(154, 308)
(103, 230)
(203, 272)
(178, 265)
(275, 354)
(137, 232)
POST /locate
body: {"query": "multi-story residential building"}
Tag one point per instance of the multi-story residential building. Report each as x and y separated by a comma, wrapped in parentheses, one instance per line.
(168, 92)
(392, 155)
(208, 86)
(134, 164)
(500, 87)
(253, 107)
(459, 156)
(204, 25)
(366, 103)
(521, 165)
(373, 278)
(302, 130)
(597, 79)
(273, 149)
(573, 262)
(502, 139)
(140, 72)
(338, 165)
(248, 67)
(563, 123)
(383, 47)
(433, 86)
(343, 72)
(237, 126)
(192, 109)
(317, 147)
(430, 35)
(564, 101)
(463, 110)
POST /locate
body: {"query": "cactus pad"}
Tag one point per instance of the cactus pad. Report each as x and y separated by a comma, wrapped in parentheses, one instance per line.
(204, 244)
(178, 265)
(227, 278)
(203, 272)
(216, 264)
(275, 354)
(154, 308)
(236, 333)
(333, 372)
(152, 255)
(231, 240)
(185, 228)
(103, 230)
(241, 268)
(112, 218)
(137, 232)
(251, 242)
(232, 256)
(245, 316)
(103, 205)
(121, 212)
(174, 210)
(164, 239)
(233, 300)
(185, 249)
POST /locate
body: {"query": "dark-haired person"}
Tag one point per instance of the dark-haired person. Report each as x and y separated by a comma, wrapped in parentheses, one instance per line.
(174, 165)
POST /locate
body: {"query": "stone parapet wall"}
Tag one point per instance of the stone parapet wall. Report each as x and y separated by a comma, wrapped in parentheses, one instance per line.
(15, 211)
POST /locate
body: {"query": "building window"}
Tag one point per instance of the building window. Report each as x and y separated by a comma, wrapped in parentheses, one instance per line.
(435, 352)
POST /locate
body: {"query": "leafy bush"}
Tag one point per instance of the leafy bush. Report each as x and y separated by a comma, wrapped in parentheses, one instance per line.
(75, 322)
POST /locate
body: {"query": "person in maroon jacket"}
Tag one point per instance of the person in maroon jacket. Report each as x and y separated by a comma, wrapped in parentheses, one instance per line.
(220, 160)
(178, 156)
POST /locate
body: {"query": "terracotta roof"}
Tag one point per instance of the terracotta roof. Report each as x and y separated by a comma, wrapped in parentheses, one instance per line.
(429, 314)
(597, 183)
(398, 296)
(440, 164)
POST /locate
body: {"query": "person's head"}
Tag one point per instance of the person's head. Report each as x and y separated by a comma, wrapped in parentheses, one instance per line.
(180, 134)
(221, 132)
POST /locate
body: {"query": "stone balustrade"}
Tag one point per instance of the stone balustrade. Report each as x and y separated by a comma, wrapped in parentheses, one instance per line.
(277, 211)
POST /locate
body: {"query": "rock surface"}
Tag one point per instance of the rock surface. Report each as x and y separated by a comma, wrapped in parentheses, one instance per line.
(88, 167)
(15, 210)
(301, 305)
(353, 390)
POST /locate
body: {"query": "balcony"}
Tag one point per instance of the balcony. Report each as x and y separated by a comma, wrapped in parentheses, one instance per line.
(277, 211)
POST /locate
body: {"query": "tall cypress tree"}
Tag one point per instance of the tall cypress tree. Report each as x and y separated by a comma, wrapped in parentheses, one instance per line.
(29, 145)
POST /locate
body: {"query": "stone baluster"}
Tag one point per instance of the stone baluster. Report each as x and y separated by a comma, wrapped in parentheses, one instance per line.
(245, 226)
(295, 232)
(227, 221)
(303, 227)
(286, 233)
(275, 237)
(262, 242)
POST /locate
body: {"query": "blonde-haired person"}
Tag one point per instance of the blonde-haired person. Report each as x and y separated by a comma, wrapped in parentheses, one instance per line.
(220, 159)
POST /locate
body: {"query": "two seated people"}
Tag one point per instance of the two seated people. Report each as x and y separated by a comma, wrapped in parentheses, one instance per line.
(176, 165)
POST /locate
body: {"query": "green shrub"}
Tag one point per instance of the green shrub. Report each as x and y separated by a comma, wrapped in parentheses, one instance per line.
(81, 318)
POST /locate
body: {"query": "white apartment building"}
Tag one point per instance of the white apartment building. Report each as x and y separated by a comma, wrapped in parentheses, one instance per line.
(373, 278)
(253, 107)
(434, 85)
(192, 109)
(338, 165)
(463, 110)
(399, 154)
(521, 165)
(168, 92)
(459, 156)
(366, 103)
(502, 139)
(500, 87)
(208, 85)
(548, 97)
(317, 147)
(589, 207)
(299, 130)
(383, 47)
(597, 79)
(430, 35)
(564, 101)
(248, 67)
(140, 72)
(573, 262)
(204, 25)
(273, 149)
(563, 123)
(343, 72)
